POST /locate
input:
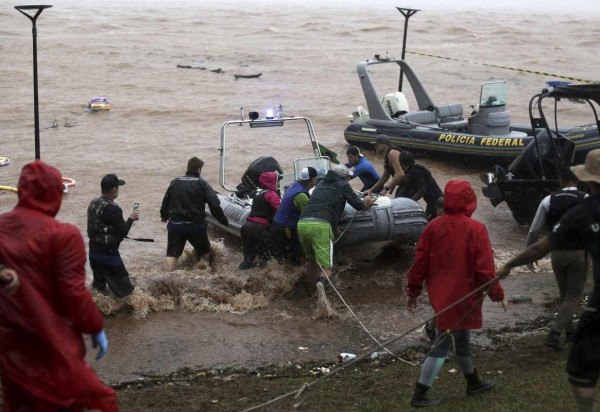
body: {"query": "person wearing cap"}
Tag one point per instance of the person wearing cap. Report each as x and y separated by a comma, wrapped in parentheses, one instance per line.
(418, 183)
(319, 222)
(284, 229)
(256, 240)
(183, 207)
(569, 266)
(578, 228)
(363, 169)
(391, 166)
(42, 356)
(106, 230)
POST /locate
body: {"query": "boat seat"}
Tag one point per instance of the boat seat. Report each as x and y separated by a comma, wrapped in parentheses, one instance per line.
(450, 117)
(395, 104)
(420, 117)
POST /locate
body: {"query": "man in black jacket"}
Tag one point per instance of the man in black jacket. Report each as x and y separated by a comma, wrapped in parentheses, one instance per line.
(106, 229)
(183, 207)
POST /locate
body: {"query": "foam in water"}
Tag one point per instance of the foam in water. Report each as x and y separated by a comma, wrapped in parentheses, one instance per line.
(213, 285)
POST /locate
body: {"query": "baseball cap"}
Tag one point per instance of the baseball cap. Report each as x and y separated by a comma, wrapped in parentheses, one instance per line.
(341, 170)
(381, 138)
(307, 172)
(111, 180)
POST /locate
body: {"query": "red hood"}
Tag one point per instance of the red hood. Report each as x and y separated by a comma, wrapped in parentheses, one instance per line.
(459, 198)
(40, 188)
(268, 180)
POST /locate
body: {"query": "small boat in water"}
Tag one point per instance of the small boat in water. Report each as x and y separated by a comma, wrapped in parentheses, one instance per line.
(444, 128)
(389, 220)
(99, 104)
(534, 173)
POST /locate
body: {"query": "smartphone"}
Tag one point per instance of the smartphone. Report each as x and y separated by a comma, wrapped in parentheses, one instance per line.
(136, 206)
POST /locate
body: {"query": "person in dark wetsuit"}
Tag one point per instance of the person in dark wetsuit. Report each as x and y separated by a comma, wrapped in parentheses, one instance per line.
(391, 166)
(569, 266)
(284, 229)
(106, 229)
(418, 183)
(255, 230)
(183, 206)
(579, 228)
(363, 169)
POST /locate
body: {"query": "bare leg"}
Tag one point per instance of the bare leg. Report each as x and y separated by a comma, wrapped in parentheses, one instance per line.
(584, 398)
(170, 263)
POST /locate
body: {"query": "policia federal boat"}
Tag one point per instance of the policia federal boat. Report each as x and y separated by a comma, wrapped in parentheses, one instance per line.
(534, 173)
(398, 219)
(430, 127)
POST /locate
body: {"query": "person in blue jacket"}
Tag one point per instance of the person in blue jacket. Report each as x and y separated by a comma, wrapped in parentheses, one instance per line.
(284, 231)
(363, 169)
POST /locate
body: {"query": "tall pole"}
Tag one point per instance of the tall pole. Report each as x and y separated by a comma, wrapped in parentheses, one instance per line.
(36, 112)
(406, 13)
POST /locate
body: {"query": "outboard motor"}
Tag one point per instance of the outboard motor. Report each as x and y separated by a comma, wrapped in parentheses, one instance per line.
(250, 177)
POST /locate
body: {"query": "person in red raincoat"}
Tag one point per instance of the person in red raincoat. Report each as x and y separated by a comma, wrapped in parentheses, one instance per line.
(454, 257)
(42, 365)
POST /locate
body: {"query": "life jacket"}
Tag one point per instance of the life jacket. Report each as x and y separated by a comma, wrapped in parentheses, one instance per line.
(98, 231)
(261, 207)
(386, 163)
(560, 202)
(288, 214)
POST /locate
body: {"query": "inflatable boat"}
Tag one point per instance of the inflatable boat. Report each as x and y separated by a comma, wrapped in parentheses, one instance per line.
(390, 220)
(534, 173)
(98, 104)
(425, 126)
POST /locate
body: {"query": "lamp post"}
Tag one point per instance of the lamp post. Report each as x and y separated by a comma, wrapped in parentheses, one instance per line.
(36, 113)
(406, 13)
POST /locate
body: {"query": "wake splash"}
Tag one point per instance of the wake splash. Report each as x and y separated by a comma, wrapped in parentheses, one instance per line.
(197, 286)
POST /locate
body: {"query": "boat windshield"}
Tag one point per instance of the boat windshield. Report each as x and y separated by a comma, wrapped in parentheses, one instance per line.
(493, 94)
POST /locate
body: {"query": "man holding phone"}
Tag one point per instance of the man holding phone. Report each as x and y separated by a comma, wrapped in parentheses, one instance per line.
(106, 230)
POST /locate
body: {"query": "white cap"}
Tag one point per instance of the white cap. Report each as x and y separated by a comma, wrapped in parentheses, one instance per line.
(304, 175)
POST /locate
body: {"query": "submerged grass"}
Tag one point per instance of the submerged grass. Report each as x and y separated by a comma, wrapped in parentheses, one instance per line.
(528, 377)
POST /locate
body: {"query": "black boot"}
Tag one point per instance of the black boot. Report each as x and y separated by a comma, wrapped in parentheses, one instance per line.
(420, 399)
(554, 341)
(474, 385)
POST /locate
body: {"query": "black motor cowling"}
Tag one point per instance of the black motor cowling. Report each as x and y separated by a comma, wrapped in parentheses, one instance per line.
(250, 177)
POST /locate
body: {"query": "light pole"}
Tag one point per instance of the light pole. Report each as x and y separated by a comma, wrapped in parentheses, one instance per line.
(36, 113)
(406, 13)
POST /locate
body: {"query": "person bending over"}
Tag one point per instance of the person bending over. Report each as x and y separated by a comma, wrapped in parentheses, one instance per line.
(255, 230)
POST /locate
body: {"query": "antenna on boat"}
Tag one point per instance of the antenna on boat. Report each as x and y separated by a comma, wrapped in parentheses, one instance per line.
(407, 13)
(36, 113)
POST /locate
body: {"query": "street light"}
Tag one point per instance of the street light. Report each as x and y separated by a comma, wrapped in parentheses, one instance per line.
(36, 113)
(406, 13)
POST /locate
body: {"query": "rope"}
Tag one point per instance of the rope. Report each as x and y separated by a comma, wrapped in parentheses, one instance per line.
(362, 324)
(505, 67)
(347, 364)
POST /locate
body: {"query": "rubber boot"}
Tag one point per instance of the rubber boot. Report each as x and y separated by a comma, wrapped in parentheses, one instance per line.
(420, 399)
(474, 385)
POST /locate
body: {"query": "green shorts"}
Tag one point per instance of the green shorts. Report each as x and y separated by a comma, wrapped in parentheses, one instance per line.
(316, 238)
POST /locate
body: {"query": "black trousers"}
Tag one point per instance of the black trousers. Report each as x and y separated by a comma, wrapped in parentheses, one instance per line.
(110, 270)
(256, 242)
(285, 245)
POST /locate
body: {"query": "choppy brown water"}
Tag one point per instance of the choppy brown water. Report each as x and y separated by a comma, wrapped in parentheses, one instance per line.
(162, 115)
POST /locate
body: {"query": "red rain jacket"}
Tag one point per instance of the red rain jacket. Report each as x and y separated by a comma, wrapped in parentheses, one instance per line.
(454, 256)
(42, 365)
